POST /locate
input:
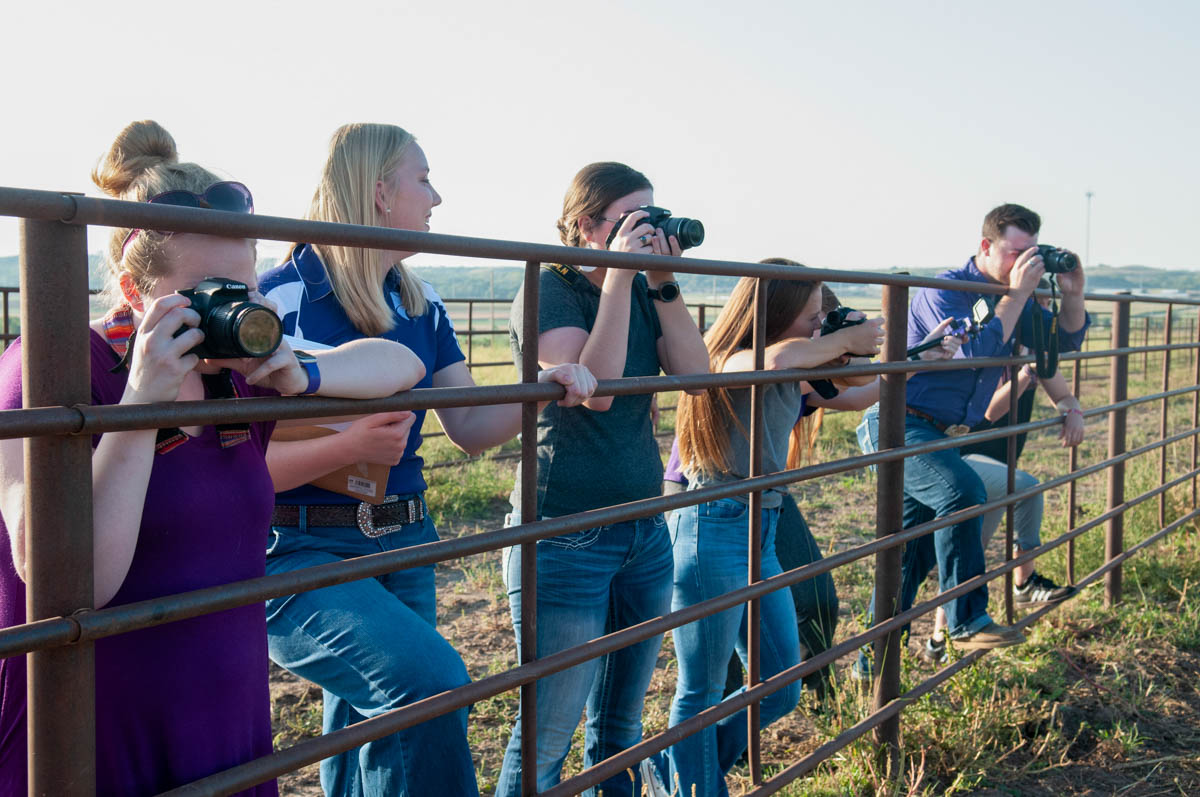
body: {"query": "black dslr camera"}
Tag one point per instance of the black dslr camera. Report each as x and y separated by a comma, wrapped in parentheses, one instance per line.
(835, 320)
(233, 326)
(688, 232)
(1057, 261)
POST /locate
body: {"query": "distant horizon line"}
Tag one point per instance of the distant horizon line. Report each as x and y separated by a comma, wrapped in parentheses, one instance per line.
(489, 263)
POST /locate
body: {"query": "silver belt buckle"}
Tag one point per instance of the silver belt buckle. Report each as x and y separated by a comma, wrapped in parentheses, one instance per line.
(957, 430)
(366, 519)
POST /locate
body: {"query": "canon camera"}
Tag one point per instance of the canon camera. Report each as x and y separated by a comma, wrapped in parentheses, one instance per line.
(233, 326)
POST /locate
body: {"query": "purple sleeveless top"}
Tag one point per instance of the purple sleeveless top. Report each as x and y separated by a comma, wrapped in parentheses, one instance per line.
(179, 701)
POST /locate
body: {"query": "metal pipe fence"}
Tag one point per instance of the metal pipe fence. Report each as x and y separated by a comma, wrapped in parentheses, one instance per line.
(62, 627)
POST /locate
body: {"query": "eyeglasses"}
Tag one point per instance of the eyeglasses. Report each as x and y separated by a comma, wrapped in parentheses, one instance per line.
(228, 195)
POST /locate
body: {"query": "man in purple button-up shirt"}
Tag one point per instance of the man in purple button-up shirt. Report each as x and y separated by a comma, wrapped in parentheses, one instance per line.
(941, 483)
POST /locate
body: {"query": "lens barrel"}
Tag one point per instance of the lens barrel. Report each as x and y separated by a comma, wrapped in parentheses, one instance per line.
(688, 232)
(242, 329)
(1057, 261)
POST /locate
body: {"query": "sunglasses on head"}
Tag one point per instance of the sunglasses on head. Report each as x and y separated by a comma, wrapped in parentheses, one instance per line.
(228, 195)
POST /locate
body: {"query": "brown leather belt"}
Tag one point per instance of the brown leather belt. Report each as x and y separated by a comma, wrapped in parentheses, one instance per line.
(950, 430)
(373, 520)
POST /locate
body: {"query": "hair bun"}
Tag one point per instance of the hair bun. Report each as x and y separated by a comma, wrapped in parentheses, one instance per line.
(137, 149)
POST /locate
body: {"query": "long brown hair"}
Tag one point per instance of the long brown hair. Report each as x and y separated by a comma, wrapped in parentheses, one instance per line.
(704, 420)
(804, 434)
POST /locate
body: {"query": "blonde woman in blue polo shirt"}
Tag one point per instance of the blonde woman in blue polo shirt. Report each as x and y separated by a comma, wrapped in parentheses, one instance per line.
(371, 644)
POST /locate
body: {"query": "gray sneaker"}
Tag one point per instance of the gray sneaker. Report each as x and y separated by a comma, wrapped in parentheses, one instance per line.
(1040, 590)
(933, 651)
(991, 635)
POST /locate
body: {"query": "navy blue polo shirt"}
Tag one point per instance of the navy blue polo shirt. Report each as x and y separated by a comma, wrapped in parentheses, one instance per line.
(963, 396)
(301, 289)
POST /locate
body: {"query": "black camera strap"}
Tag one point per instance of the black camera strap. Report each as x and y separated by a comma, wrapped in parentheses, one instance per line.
(218, 386)
(564, 273)
(1045, 343)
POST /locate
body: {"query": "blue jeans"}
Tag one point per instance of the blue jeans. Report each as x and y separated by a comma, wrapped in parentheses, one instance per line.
(936, 485)
(709, 543)
(371, 646)
(591, 583)
(1027, 514)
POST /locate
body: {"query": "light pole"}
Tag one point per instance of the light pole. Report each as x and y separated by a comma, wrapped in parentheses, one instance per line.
(1087, 235)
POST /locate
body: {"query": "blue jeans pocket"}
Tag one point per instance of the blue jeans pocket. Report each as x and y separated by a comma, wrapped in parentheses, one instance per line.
(724, 509)
(575, 540)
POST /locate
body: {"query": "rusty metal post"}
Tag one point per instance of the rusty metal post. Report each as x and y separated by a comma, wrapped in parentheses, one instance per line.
(1145, 342)
(889, 519)
(1086, 347)
(754, 540)
(1010, 442)
(471, 332)
(1191, 336)
(1162, 426)
(56, 370)
(1114, 539)
(529, 413)
(1072, 488)
(1193, 329)
(7, 320)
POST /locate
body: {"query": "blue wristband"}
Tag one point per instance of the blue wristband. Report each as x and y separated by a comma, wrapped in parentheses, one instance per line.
(309, 364)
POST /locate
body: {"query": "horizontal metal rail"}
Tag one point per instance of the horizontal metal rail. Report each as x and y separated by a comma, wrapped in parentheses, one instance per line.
(91, 625)
(60, 426)
(97, 419)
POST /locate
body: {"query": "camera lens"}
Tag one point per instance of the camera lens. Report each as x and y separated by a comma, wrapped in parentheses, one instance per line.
(1057, 261)
(1066, 261)
(257, 330)
(242, 329)
(689, 232)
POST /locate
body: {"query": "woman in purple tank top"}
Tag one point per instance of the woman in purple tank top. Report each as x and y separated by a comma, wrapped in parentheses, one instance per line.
(173, 510)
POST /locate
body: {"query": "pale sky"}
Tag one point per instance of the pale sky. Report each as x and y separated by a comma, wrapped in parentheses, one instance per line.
(843, 135)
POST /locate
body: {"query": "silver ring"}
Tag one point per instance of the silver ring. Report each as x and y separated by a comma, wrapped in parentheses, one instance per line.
(645, 238)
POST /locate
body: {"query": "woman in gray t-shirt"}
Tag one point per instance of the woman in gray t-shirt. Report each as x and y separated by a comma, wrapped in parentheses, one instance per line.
(618, 323)
(709, 539)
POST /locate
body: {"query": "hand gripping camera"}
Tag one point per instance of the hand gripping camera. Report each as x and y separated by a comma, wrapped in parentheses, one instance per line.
(688, 232)
(1057, 261)
(835, 320)
(982, 312)
(233, 326)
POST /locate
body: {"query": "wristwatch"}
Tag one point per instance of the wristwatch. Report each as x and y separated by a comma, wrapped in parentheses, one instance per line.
(309, 364)
(667, 292)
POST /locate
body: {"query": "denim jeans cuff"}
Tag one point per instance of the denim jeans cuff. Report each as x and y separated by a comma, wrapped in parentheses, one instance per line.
(966, 629)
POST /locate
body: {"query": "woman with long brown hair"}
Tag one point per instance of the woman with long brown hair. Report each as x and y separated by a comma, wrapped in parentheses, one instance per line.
(709, 539)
